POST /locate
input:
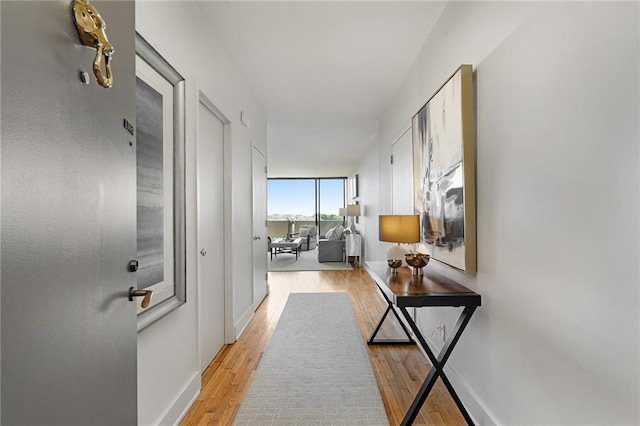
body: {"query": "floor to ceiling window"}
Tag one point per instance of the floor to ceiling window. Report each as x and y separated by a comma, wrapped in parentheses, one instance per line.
(330, 199)
(292, 203)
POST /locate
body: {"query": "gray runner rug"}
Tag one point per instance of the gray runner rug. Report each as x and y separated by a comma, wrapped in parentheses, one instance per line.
(316, 370)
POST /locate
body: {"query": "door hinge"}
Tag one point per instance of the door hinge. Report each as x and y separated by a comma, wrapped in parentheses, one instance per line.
(265, 170)
(266, 276)
(266, 223)
(392, 159)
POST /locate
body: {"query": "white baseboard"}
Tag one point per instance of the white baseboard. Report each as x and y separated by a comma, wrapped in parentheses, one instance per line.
(242, 323)
(478, 411)
(183, 402)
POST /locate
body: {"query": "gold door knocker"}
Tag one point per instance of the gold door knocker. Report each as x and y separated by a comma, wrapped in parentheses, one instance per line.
(91, 26)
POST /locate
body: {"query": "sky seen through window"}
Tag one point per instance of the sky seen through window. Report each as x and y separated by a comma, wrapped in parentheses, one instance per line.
(295, 198)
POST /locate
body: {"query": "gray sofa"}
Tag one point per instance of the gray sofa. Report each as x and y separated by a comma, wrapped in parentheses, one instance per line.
(331, 250)
(332, 247)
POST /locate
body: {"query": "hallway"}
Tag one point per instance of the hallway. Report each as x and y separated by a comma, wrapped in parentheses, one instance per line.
(399, 370)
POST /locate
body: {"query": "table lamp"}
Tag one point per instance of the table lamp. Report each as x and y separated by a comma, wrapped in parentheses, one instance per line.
(353, 210)
(402, 229)
(399, 229)
(342, 211)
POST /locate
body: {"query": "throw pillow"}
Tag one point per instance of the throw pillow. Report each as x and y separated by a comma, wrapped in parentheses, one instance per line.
(337, 234)
(330, 232)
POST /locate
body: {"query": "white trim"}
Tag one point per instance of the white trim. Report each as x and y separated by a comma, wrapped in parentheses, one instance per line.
(229, 331)
(181, 405)
(242, 323)
(230, 336)
(474, 405)
(402, 133)
(258, 149)
(262, 231)
(404, 129)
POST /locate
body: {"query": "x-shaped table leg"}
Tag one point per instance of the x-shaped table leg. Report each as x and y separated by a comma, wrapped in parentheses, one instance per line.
(371, 340)
(438, 363)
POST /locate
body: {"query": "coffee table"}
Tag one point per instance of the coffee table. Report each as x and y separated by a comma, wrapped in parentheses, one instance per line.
(282, 245)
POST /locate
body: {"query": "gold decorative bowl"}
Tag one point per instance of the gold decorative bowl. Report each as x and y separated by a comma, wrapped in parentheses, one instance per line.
(417, 261)
(394, 264)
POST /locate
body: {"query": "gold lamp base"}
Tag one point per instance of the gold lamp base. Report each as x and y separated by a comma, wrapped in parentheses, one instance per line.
(417, 261)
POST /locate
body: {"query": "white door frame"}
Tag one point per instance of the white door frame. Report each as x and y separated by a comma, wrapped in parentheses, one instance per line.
(263, 228)
(227, 264)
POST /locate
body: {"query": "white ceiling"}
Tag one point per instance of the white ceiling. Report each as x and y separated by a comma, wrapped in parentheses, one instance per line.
(322, 71)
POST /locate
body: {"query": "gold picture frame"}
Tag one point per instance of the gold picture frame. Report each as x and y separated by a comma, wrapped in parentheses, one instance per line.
(444, 172)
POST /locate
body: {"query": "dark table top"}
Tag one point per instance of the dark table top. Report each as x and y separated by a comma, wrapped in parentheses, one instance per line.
(433, 289)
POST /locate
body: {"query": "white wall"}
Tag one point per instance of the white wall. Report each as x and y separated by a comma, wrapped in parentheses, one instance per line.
(300, 148)
(168, 368)
(368, 190)
(558, 187)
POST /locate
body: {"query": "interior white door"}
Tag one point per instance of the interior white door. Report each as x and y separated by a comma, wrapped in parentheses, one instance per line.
(69, 333)
(260, 281)
(402, 175)
(210, 150)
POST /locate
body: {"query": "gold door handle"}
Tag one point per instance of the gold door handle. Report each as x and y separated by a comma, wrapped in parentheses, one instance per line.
(140, 293)
(91, 30)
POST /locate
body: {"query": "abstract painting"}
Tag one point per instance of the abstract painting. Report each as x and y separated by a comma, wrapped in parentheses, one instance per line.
(444, 172)
(150, 175)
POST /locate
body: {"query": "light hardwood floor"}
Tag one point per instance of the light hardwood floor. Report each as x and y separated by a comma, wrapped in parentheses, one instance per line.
(399, 370)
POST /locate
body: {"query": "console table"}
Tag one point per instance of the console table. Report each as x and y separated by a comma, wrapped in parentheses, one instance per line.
(405, 290)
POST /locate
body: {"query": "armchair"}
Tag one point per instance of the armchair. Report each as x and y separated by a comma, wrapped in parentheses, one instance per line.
(309, 235)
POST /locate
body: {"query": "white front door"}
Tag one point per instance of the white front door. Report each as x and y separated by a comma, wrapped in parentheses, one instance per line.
(211, 264)
(260, 282)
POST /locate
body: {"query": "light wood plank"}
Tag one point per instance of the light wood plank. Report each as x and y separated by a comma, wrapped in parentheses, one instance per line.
(399, 370)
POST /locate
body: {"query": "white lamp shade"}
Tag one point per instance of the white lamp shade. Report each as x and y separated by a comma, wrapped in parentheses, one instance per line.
(353, 210)
(342, 211)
